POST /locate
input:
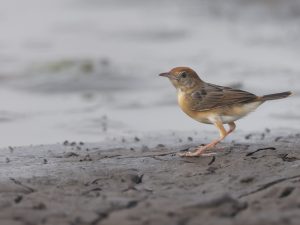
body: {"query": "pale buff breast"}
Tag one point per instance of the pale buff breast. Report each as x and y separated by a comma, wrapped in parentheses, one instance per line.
(226, 114)
(202, 117)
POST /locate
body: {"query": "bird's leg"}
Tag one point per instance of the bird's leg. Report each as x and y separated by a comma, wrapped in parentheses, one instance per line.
(223, 133)
(232, 127)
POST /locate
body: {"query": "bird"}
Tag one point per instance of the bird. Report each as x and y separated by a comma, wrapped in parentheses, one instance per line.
(212, 104)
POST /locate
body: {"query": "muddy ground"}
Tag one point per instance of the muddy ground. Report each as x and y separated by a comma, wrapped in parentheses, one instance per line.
(254, 179)
(88, 71)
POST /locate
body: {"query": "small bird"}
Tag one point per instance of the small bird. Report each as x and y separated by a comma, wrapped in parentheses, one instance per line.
(213, 104)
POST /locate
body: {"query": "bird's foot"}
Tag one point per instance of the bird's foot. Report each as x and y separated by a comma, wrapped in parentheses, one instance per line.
(198, 152)
(195, 154)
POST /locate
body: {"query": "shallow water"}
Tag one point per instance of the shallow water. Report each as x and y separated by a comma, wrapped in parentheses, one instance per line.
(87, 70)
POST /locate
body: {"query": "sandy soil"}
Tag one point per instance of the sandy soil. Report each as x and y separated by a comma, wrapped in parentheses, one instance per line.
(254, 179)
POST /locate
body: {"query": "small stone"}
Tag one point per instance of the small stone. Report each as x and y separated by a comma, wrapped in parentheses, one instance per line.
(247, 179)
(11, 149)
(160, 146)
(39, 206)
(136, 139)
(247, 137)
(70, 154)
(86, 158)
(18, 199)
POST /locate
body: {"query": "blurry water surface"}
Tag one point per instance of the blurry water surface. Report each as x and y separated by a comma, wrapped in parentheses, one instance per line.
(87, 69)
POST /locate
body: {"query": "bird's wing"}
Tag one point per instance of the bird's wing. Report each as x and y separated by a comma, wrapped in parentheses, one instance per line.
(211, 96)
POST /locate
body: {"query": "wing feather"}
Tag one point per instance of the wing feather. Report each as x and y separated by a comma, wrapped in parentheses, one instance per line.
(211, 96)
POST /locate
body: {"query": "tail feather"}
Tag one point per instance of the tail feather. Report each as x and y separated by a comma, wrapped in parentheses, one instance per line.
(276, 96)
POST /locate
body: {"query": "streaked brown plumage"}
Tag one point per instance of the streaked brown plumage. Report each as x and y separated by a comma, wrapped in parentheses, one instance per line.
(212, 104)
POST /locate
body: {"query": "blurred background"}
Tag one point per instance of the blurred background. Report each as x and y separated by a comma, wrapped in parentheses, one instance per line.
(88, 69)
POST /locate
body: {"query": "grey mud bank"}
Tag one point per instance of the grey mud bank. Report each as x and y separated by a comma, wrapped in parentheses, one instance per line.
(255, 180)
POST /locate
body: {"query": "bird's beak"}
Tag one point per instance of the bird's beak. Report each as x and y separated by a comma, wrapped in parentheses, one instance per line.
(165, 75)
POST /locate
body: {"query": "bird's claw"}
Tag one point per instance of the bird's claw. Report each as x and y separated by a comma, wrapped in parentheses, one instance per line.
(196, 154)
(185, 154)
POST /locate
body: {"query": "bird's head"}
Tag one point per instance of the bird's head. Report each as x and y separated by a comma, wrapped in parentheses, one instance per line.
(183, 78)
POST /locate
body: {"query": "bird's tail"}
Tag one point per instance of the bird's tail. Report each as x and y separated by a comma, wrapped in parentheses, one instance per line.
(276, 96)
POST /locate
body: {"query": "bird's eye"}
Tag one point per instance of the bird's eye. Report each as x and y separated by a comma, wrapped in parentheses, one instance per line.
(183, 74)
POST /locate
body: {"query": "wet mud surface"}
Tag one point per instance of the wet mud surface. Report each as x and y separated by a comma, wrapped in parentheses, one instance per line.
(141, 180)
